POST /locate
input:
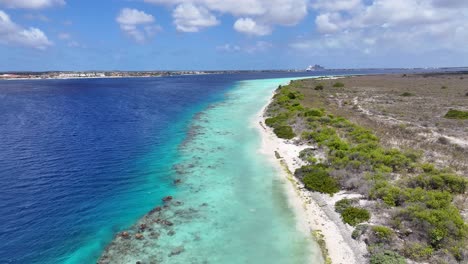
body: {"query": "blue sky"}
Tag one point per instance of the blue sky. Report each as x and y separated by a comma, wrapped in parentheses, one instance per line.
(231, 34)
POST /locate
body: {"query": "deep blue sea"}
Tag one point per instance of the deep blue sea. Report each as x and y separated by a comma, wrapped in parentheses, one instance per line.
(83, 159)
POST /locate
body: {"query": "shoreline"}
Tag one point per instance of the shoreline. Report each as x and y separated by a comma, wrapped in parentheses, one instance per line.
(99, 77)
(314, 211)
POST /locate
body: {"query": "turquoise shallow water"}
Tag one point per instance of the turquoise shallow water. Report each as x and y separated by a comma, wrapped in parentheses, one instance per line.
(234, 207)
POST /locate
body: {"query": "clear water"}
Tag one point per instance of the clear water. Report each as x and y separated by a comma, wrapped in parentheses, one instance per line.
(81, 160)
(234, 208)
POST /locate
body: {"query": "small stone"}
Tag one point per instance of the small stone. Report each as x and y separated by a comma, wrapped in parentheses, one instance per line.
(177, 181)
(142, 227)
(177, 251)
(171, 233)
(154, 235)
(125, 234)
(167, 222)
(156, 209)
(139, 236)
(167, 199)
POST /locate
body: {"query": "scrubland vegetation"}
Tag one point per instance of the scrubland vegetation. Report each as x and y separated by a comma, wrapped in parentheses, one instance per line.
(456, 114)
(411, 200)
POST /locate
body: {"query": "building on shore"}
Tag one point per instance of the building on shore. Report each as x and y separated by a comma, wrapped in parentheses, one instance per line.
(316, 67)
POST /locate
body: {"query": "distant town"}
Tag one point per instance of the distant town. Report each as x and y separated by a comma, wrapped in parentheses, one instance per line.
(112, 74)
(19, 75)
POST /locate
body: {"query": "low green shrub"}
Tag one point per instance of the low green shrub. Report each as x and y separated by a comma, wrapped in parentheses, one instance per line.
(456, 114)
(319, 87)
(317, 179)
(308, 155)
(278, 120)
(443, 226)
(417, 251)
(314, 112)
(342, 204)
(383, 233)
(391, 195)
(292, 95)
(387, 257)
(440, 181)
(338, 85)
(407, 94)
(355, 215)
(285, 132)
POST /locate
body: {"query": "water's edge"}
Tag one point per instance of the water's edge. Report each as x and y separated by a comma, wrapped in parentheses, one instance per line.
(247, 212)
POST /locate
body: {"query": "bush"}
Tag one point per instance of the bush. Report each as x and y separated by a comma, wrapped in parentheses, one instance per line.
(342, 204)
(417, 251)
(383, 233)
(355, 215)
(278, 120)
(285, 132)
(338, 85)
(456, 114)
(314, 112)
(319, 87)
(442, 226)
(407, 94)
(440, 181)
(387, 257)
(307, 154)
(317, 179)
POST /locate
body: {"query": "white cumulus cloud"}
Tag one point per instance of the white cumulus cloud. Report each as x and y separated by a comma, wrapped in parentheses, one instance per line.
(250, 27)
(14, 34)
(265, 14)
(31, 4)
(390, 25)
(190, 18)
(137, 24)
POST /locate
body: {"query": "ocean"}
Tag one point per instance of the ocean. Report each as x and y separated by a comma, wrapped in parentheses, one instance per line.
(81, 160)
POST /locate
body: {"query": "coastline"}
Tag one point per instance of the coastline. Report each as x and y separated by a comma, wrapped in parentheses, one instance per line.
(314, 211)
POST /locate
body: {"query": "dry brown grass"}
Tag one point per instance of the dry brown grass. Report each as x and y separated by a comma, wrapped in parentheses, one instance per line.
(416, 121)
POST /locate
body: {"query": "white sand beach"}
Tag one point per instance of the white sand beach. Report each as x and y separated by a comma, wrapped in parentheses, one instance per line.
(314, 211)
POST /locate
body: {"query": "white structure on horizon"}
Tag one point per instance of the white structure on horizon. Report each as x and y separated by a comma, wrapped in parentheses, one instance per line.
(81, 75)
(316, 67)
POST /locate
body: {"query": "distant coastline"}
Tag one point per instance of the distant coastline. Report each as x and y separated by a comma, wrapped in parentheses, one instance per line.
(67, 75)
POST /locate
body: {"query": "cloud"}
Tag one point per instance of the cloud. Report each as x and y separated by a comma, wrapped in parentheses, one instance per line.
(336, 5)
(137, 24)
(190, 18)
(324, 22)
(31, 4)
(228, 48)
(413, 26)
(259, 46)
(250, 27)
(265, 14)
(14, 34)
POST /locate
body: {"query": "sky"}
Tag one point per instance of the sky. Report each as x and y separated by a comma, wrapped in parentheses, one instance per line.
(40, 35)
